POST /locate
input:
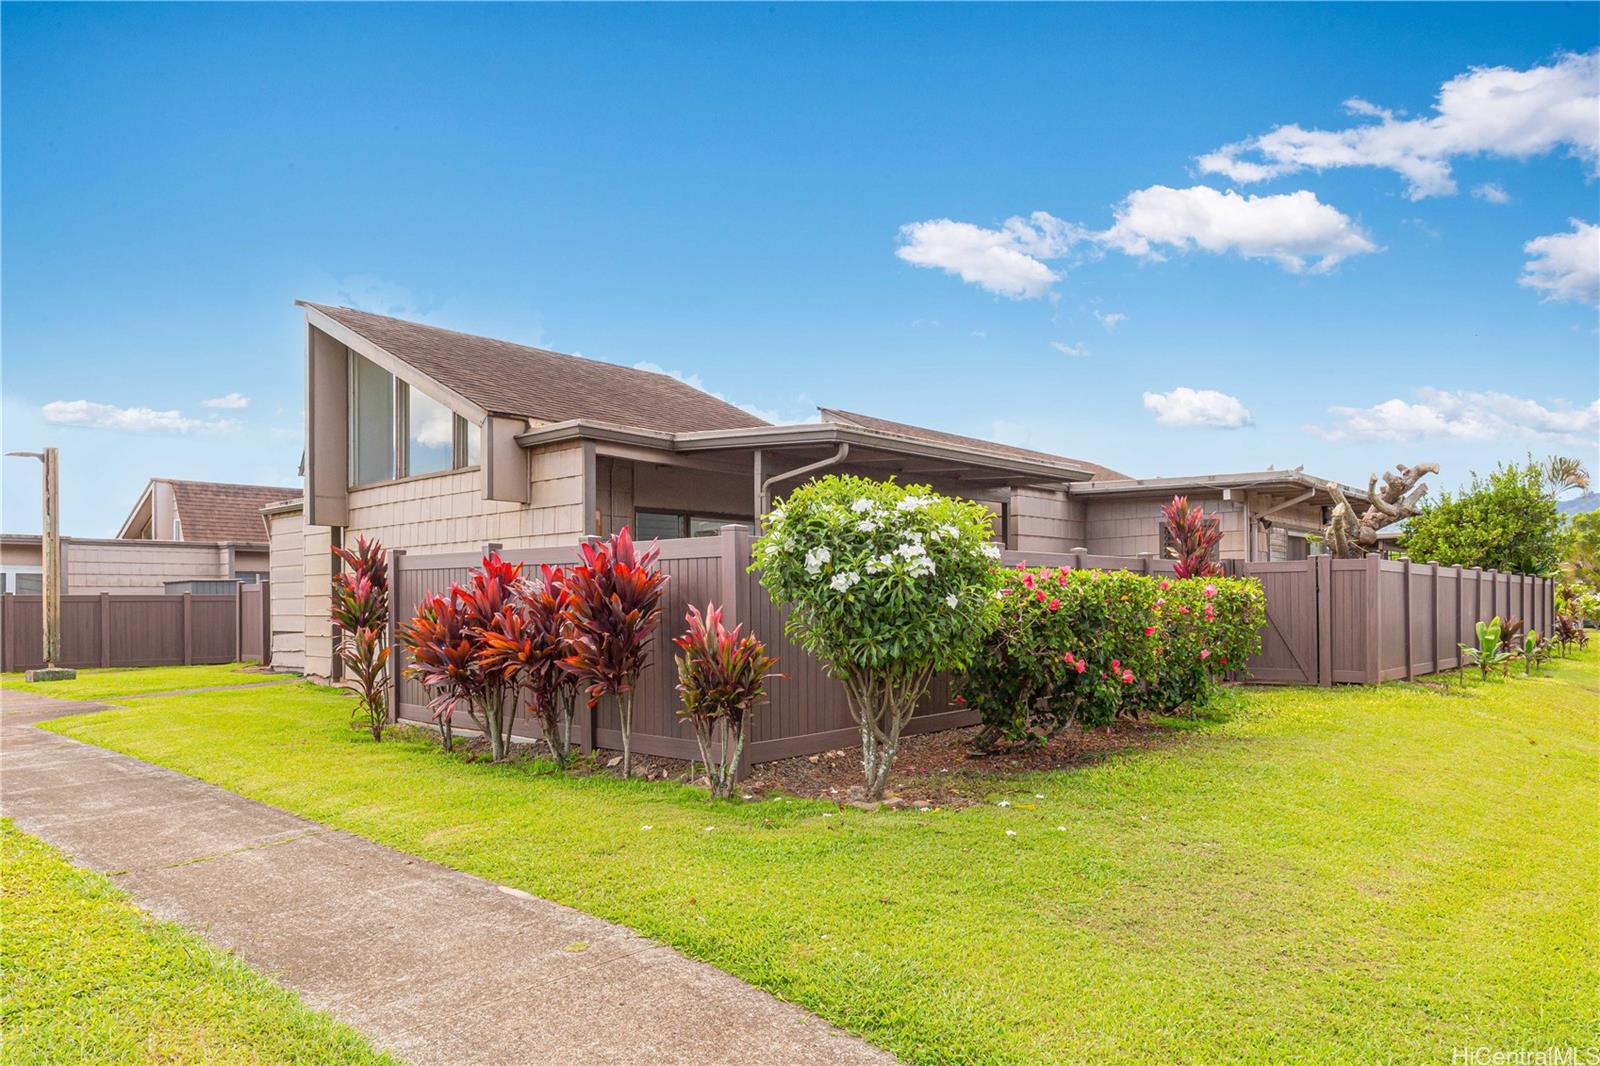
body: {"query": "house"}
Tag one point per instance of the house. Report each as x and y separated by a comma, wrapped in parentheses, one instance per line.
(435, 441)
(180, 536)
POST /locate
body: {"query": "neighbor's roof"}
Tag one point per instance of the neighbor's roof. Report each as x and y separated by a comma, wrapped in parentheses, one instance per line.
(209, 510)
(1254, 479)
(883, 425)
(513, 379)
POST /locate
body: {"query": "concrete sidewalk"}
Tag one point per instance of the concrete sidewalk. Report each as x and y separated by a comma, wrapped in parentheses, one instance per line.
(433, 965)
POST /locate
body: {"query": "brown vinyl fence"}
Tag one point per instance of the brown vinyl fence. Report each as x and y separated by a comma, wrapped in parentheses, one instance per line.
(140, 630)
(1328, 620)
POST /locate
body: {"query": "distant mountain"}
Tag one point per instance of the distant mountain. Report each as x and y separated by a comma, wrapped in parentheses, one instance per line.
(1589, 501)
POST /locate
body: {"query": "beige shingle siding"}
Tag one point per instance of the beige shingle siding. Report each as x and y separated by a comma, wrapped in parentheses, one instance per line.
(287, 531)
(1046, 521)
(138, 566)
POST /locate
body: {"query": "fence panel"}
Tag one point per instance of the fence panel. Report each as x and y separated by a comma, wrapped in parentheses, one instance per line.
(1289, 643)
(122, 630)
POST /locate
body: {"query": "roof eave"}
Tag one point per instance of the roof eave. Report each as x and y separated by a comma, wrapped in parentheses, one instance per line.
(1244, 480)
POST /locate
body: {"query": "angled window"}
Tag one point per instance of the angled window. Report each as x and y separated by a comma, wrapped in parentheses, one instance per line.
(430, 435)
(372, 435)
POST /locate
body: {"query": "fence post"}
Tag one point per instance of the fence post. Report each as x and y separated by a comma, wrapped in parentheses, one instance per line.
(1373, 609)
(266, 621)
(1322, 579)
(188, 629)
(105, 629)
(1433, 617)
(238, 623)
(8, 656)
(1405, 614)
(396, 562)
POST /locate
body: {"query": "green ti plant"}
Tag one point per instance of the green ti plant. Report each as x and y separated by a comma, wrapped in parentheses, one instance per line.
(1489, 652)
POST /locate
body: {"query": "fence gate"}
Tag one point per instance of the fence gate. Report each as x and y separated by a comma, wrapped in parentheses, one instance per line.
(1289, 643)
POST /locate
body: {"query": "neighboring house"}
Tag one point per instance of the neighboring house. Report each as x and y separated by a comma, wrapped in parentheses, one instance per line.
(178, 533)
(432, 440)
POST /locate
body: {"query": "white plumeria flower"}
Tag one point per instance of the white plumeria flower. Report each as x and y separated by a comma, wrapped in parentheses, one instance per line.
(1011, 832)
(867, 525)
(646, 828)
(709, 828)
(816, 558)
(1003, 803)
(991, 551)
(844, 579)
(952, 601)
(861, 506)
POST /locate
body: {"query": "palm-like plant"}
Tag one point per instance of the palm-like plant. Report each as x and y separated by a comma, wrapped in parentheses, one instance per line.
(615, 605)
(1564, 472)
(1194, 536)
(722, 677)
(359, 606)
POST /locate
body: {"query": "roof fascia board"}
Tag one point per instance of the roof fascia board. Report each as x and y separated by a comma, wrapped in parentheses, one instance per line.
(401, 369)
(147, 494)
(1251, 479)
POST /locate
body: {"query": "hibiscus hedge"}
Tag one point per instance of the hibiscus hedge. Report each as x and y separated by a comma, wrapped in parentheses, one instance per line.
(1087, 645)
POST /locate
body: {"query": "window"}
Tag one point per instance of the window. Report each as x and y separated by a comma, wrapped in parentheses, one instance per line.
(649, 525)
(30, 584)
(371, 422)
(177, 529)
(397, 431)
(430, 434)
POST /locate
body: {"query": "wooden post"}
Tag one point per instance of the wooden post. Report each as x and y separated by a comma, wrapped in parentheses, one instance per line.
(188, 629)
(105, 629)
(1322, 577)
(50, 545)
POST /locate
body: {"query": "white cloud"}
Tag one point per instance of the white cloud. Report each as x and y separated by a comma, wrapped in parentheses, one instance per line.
(1289, 228)
(1486, 111)
(1077, 351)
(1110, 320)
(233, 401)
(129, 419)
(1565, 266)
(1184, 406)
(1463, 415)
(1008, 261)
(1491, 192)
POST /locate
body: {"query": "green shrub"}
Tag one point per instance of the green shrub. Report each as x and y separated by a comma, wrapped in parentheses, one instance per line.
(1086, 645)
(1206, 627)
(886, 586)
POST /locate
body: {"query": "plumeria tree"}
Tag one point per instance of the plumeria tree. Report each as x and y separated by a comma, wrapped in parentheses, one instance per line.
(722, 678)
(886, 585)
(360, 608)
(615, 603)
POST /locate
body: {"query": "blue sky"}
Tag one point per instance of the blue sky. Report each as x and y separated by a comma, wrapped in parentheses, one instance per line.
(726, 192)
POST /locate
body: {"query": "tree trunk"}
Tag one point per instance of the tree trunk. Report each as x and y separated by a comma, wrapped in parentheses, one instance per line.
(625, 715)
(881, 706)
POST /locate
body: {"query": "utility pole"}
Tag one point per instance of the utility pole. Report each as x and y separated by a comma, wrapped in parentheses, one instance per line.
(50, 565)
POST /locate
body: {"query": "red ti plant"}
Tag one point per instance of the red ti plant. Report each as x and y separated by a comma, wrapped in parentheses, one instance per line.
(443, 659)
(1194, 537)
(615, 605)
(446, 642)
(360, 608)
(526, 645)
(722, 678)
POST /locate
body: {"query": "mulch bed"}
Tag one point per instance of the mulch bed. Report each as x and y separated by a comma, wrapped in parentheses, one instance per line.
(931, 769)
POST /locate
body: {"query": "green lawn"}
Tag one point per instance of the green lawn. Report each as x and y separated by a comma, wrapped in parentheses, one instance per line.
(1349, 875)
(85, 976)
(109, 684)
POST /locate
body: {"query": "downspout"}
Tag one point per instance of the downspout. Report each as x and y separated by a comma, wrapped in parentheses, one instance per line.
(766, 486)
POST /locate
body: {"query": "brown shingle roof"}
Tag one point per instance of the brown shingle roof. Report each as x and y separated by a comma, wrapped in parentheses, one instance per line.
(512, 379)
(832, 414)
(208, 510)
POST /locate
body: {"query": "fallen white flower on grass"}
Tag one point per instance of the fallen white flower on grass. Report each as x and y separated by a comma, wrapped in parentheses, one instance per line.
(644, 828)
(1011, 832)
(1061, 829)
(1003, 803)
(709, 828)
